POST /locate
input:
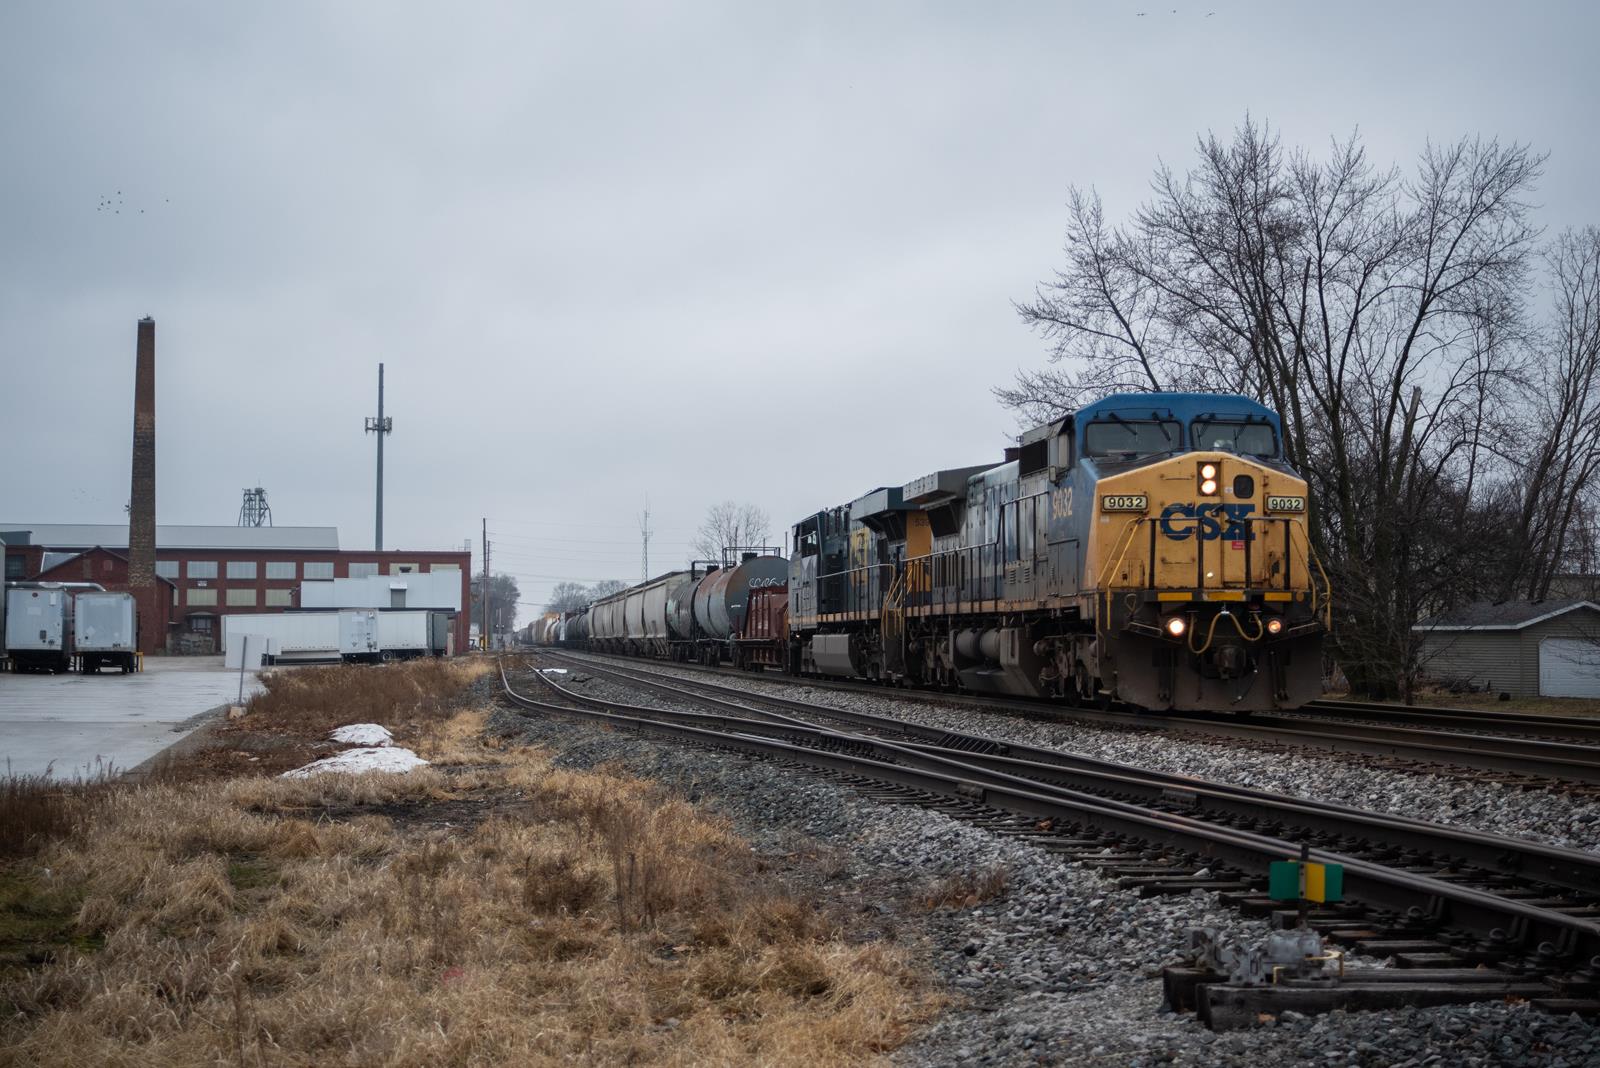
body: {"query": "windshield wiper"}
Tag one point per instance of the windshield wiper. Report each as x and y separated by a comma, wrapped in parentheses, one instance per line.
(1123, 423)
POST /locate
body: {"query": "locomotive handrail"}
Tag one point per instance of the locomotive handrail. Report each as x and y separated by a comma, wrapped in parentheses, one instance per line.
(1125, 538)
(1321, 595)
(928, 565)
(1327, 586)
(853, 570)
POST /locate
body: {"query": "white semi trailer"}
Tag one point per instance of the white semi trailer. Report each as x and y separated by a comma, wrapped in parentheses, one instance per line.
(371, 635)
(287, 637)
(39, 628)
(105, 632)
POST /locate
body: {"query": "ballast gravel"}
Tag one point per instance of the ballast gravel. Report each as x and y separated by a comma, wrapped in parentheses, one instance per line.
(1540, 815)
(1062, 968)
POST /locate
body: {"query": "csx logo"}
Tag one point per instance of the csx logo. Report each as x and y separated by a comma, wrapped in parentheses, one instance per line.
(1230, 522)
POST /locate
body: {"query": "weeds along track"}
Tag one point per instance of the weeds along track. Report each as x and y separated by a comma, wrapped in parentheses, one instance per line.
(1462, 909)
(1460, 742)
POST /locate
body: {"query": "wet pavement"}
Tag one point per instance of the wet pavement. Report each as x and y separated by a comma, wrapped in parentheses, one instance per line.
(76, 725)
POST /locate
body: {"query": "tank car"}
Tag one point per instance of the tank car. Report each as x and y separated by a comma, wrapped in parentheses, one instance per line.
(710, 615)
(1148, 548)
(693, 615)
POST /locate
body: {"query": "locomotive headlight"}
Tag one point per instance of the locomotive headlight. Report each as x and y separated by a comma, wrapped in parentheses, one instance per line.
(1274, 626)
(1208, 471)
(1209, 487)
(1208, 479)
(1176, 626)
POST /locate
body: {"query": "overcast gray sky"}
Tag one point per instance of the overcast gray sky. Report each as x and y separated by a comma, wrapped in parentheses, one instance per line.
(696, 251)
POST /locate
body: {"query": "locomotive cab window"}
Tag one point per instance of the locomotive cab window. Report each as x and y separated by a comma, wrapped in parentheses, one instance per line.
(1244, 439)
(1130, 439)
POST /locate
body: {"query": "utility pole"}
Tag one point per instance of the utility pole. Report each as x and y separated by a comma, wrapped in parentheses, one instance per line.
(486, 583)
(644, 531)
(382, 427)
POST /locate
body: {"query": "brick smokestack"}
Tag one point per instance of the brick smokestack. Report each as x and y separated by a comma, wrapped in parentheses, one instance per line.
(142, 499)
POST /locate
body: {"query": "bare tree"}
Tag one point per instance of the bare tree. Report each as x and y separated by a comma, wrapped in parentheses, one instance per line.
(568, 597)
(503, 599)
(728, 524)
(1561, 452)
(1380, 313)
(605, 588)
(1099, 313)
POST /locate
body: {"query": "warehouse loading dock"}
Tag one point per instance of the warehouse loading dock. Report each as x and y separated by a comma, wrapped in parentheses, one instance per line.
(81, 726)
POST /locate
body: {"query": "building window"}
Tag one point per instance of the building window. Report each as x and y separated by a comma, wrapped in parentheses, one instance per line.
(280, 598)
(281, 569)
(202, 569)
(363, 570)
(167, 569)
(444, 567)
(202, 597)
(322, 570)
(241, 598)
(402, 569)
(14, 566)
(200, 624)
(241, 569)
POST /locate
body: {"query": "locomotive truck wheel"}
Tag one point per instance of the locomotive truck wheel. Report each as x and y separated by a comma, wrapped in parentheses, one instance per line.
(1081, 689)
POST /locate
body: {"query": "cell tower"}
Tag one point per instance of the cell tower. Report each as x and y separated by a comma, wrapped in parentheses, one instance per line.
(381, 426)
(255, 512)
(644, 533)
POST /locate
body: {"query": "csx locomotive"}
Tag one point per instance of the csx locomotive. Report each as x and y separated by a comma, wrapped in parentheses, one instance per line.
(1149, 548)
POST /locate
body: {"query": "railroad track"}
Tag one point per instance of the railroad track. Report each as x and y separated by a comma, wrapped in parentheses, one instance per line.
(1574, 729)
(1470, 915)
(1433, 740)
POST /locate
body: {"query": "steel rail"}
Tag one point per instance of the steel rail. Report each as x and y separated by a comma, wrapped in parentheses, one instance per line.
(1519, 756)
(1569, 869)
(1441, 901)
(1526, 723)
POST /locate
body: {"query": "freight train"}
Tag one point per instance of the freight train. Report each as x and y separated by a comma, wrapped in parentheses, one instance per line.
(729, 611)
(1150, 549)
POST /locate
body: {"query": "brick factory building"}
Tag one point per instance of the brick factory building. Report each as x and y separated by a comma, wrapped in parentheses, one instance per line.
(206, 572)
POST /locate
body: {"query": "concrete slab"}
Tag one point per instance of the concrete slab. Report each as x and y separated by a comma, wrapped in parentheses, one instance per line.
(76, 725)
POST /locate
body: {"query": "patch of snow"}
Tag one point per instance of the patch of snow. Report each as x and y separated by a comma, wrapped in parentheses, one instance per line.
(362, 734)
(554, 671)
(361, 761)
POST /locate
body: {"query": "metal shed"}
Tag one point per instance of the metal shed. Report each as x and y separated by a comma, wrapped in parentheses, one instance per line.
(1524, 648)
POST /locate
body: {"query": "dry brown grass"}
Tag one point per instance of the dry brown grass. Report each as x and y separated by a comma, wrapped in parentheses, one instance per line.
(314, 700)
(38, 809)
(582, 917)
(966, 889)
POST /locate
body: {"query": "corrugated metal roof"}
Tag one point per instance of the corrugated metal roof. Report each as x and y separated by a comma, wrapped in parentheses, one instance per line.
(115, 536)
(1502, 615)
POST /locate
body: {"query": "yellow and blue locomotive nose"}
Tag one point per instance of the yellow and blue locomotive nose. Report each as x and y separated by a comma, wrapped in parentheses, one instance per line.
(1205, 555)
(1202, 526)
